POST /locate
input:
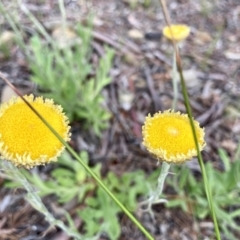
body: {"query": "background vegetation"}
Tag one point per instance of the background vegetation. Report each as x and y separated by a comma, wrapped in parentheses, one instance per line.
(108, 71)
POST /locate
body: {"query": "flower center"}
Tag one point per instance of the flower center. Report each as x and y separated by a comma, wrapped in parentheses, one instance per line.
(172, 131)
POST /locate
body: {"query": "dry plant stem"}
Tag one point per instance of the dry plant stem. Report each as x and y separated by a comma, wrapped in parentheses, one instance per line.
(174, 81)
(35, 21)
(10, 19)
(33, 198)
(87, 168)
(188, 107)
(63, 13)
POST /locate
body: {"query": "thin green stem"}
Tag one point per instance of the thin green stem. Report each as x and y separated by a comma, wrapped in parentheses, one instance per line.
(11, 20)
(200, 160)
(98, 180)
(35, 21)
(63, 13)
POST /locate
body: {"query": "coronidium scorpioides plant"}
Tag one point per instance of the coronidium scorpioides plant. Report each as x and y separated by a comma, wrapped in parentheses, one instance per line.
(24, 139)
(168, 137)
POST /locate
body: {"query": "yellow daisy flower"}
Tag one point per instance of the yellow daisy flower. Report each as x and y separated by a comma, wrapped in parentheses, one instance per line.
(168, 136)
(179, 32)
(24, 138)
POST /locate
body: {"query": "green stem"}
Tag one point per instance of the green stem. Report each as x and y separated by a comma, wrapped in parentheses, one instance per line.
(12, 22)
(35, 21)
(63, 13)
(98, 180)
(200, 160)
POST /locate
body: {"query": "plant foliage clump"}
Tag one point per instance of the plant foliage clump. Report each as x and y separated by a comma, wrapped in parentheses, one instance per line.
(225, 187)
(64, 75)
(99, 213)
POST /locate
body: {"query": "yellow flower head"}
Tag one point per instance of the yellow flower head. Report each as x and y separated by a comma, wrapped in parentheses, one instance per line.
(168, 136)
(24, 138)
(179, 32)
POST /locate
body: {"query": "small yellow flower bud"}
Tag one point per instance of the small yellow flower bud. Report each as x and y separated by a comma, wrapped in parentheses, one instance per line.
(179, 32)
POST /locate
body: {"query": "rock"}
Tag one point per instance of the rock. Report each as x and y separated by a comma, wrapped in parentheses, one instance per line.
(135, 34)
(190, 76)
(7, 92)
(7, 38)
(125, 99)
(131, 59)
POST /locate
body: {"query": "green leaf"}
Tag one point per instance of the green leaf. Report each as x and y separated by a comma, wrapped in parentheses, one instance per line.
(224, 157)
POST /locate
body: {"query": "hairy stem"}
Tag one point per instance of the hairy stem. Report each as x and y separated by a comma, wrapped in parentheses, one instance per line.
(33, 198)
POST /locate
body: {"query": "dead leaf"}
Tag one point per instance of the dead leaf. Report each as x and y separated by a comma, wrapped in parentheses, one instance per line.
(201, 38)
(7, 94)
